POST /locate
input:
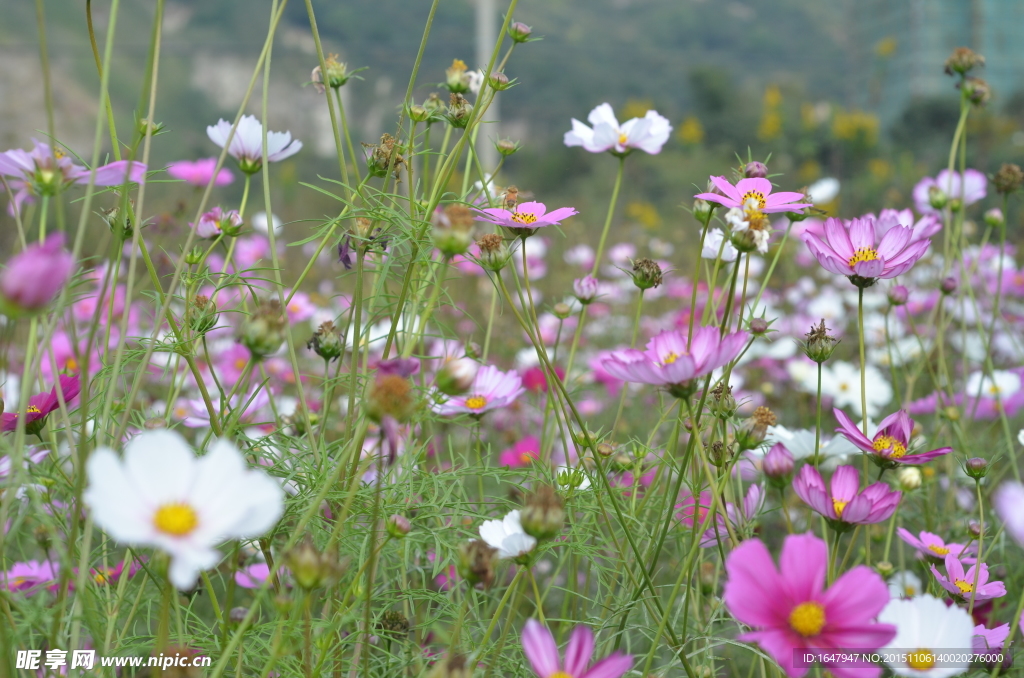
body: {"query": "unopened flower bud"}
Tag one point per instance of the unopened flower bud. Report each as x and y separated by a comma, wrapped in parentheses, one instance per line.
(585, 289)
(398, 526)
(778, 465)
(506, 146)
(1008, 178)
(418, 113)
(194, 256)
(264, 331)
(494, 253)
(994, 218)
(937, 197)
(974, 528)
(202, 314)
(456, 376)
(310, 567)
(605, 449)
(909, 478)
(884, 568)
(948, 285)
(143, 126)
(752, 432)
(976, 468)
(327, 342)
(519, 32)
(963, 60)
(702, 210)
(337, 74)
(390, 395)
(819, 344)
(476, 562)
(499, 81)
(951, 413)
(453, 230)
(898, 295)
(562, 310)
(755, 170)
(120, 227)
(758, 326)
(646, 273)
(237, 615)
(543, 514)
(153, 424)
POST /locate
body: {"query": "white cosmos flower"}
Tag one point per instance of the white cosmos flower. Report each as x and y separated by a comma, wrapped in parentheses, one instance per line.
(823, 190)
(904, 584)
(925, 627)
(713, 242)
(800, 442)
(507, 536)
(1020, 436)
(262, 224)
(841, 382)
(648, 133)
(162, 495)
(1001, 385)
(247, 144)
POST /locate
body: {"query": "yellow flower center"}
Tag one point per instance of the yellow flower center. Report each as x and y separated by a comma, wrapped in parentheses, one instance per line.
(240, 364)
(938, 550)
(32, 409)
(669, 359)
(839, 505)
(526, 457)
(102, 576)
(71, 364)
(921, 660)
(863, 254)
(176, 519)
(889, 443)
(755, 195)
(964, 586)
(909, 591)
(476, 402)
(524, 218)
(623, 138)
(559, 674)
(807, 619)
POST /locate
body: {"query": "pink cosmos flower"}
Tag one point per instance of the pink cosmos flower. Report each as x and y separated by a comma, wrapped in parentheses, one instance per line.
(933, 546)
(648, 133)
(922, 229)
(45, 174)
(961, 583)
(740, 517)
(990, 640)
(669, 361)
(34, 277)
(789, 607)
(41, 405)
(300, 308)
(247, 144)
(29, 576)
(527, 215)
(523, 453)
(1008, 502)
(199, 172)
(542, 652)
(843, 503)
(211, 224)
(854, 250)
(970, 189)
(760, 190)
(889, 446)
(491, 389)
(253, 576)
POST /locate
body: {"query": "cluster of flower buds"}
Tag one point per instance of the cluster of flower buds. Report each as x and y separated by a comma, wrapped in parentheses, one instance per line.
(819, 343)
(543, 514)
(311, 567)
(327, 342)
(453, 229)
(476, 562)
(263, 332)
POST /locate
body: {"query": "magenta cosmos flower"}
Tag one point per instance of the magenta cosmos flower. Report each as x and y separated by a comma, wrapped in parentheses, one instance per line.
(932, 545)
(759, 190)
(491, 389)
(199, 172)
(540, 648)
(40, 406)
(523, 453)
(247, 144)
(889, 446)
(648, 133)
(31, 575)
(670, 362)
(34, 277)
(961, 583)
(47, 174)
(527, 217)
(842, 502)
(789, 607)
(969, 189)
(853, 249)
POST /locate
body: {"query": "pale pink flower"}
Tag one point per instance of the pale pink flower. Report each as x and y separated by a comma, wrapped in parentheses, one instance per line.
(199, 172)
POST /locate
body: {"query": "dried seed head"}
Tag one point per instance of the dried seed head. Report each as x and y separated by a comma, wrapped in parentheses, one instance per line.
(390, 396)
(264, 331)
(646, 273)
(543, 514)
(327, 342)
(494, 253)
(476, 562)
(963, 60)
(819, 343)
(1008, 179)
(394, 623)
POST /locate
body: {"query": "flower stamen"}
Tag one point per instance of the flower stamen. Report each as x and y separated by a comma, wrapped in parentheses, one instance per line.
(807, 619)
(863, 254)
(476, 402)
(176, 519)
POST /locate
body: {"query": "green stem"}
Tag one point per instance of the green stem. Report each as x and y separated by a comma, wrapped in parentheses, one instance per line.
(608, 218)
(863, 373)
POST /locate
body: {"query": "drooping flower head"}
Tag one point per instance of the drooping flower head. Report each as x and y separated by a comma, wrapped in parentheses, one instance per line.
(925, 628)
(48, 171)
(162, 495)
(247, 144)
(491, 389)
(200, 172)
(542, 652)
(34, 277)
(842, 502)
(933, 546)
(525, 218)
(671, 362)
(853, 249)
(648, 133)
(757, 190)
(961, 583)
(890, 446)
(789, 607)
(40, 406)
